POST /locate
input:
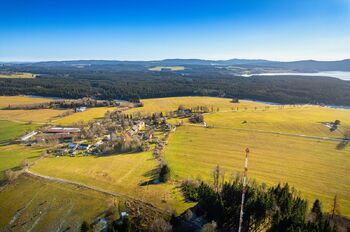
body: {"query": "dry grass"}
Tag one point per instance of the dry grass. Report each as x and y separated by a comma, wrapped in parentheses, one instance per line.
(36, 116)
(5, 101)
(32, 203)
(315, 167)
(86, 116)
(172, 103)
(306, 120)
(123, 174)
(171, 68)
(17, 75)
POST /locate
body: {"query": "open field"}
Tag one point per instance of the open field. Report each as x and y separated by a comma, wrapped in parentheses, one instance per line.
(315, 167)
(306, 120)
(13, 156)
(5, 101)
(121, 174)
(35, 116)
(171, 68)
(33, 203)
(17, 75)
(172, 103)
(86, 116)
(10, 130)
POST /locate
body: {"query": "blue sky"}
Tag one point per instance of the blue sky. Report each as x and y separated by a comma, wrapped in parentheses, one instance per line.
(33, 30)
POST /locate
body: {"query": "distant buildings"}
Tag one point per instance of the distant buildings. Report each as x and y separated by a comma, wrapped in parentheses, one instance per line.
(80, 109)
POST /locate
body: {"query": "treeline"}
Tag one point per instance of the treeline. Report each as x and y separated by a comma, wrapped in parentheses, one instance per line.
(273, 209)
(67, 104)
(134, 85)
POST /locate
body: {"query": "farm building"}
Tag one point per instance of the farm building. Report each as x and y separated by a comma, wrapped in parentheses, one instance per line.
(26, 137)
(60, 137)
(68, 130)
(80, 109)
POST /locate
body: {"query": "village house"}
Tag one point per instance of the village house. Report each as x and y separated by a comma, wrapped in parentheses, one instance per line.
(80, 109)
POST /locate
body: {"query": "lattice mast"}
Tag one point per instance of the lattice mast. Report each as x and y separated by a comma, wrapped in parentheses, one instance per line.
(244, 189)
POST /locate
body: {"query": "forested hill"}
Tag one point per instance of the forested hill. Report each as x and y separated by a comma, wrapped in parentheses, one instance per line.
(105, 82)
(302, 65)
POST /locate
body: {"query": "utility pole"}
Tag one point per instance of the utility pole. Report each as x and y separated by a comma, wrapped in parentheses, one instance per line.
(244, 189)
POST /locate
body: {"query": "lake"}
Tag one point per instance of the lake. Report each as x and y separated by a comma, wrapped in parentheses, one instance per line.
(337, 74)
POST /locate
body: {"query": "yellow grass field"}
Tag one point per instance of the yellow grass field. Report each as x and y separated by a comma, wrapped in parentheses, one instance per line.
(172, 68)
(306, 120)
(121, 174)
(36, 116)
(86, 116)
(172, 103)
(17, 75)
(38, 205)
(5, 101)
(314, 167)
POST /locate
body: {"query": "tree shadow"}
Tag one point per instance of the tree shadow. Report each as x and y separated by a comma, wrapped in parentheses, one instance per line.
(343, 144)
(153, 176)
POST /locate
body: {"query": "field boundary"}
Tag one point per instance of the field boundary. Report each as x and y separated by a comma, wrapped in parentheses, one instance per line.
(94, 188)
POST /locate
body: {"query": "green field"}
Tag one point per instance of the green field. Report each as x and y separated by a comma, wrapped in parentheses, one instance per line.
(10, 130)
(13, 156)
(38, 205)
(121, 174)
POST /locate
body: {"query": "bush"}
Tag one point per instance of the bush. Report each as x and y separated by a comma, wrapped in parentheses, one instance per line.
(197, 118)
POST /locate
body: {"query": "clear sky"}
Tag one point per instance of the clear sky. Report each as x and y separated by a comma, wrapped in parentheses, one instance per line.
(33, 30)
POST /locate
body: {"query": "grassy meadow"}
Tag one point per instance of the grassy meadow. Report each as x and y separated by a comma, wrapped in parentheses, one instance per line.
(13, 156)
(314, 167)
(86, 116)
(124, 174)
(38, 205)
(5, 101)
(17, 75)
(172, 68)
(276, 135)
(172, 103)
(35, 116)
(10, 130)
(301, 120)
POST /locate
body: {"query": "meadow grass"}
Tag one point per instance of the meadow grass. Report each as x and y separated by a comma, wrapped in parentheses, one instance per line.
(86, 116)
(5, 101)
(126, 174)
(33, 203)
(35, 116)
(17, 75)
(305, 120)
(10, 130)
(172, 68)
(172, 103)
(13, 156)
(314, 167)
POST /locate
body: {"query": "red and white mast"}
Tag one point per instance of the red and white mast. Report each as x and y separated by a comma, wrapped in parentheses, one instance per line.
(244, 189)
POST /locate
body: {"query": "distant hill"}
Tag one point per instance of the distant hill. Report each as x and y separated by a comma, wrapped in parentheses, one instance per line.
(300, 66)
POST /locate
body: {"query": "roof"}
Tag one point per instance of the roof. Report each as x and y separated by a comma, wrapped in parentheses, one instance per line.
(63, 130)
